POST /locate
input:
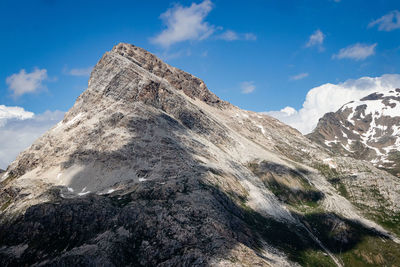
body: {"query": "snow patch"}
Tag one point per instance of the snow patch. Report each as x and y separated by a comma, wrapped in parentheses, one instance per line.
(262, 129)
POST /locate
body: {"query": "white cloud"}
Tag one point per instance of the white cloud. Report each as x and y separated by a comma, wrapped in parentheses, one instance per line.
(79, 71)
(188, 24)
(357, 51)
(23, 83)
(21, 129)
(330, 97)
(299, 76)
(168, 55)
(316, 39)
(185, 23)
(230, 35)
(247, 87)
(388, 22)
(283, 114)
(9, 113)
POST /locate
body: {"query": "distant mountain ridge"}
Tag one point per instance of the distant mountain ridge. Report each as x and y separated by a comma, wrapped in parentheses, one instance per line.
(367, 129)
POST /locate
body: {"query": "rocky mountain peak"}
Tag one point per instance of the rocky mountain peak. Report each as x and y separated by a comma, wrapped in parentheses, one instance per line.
(367, 129)
(149, 168)
(127, 64)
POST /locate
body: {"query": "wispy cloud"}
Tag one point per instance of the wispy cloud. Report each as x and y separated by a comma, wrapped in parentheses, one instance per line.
(78, 71)
(189, 24)
(168, 55)
(230, 35)
(247, 87)
(23, 83)
(250, 36)
(185, 23)
(299, 76)
(316, 39)
(388, 22)
(356, 51)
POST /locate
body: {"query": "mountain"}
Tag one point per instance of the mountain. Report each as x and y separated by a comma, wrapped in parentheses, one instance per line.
(367, 129)
(150, 168)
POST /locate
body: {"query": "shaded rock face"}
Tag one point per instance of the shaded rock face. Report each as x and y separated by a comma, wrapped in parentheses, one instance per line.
(367, 129)
(150, 168)
(149, 226)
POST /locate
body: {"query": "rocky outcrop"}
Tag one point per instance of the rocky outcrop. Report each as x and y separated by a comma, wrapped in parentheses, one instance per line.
(150, 168)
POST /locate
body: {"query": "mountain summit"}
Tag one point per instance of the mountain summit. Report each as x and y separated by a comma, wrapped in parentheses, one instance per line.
(150, 168)
(367, 129)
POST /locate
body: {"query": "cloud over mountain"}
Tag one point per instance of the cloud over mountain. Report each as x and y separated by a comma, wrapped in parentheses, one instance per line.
(21, 128)
(330, 97)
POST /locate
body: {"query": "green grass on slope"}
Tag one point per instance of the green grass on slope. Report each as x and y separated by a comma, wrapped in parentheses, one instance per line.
(351, 242)
(373, 251)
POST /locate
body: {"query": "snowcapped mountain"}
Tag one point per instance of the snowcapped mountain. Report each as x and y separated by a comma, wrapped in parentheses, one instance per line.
(367, 129)
(150, 168)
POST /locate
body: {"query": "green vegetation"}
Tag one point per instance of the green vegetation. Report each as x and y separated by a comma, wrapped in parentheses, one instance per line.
(334, 177)
(291, 239)
(373, 251)
(9, 178)
(288, 185)
(325, 170)
(339, 186)
(5, 205)
(350, 241)
(312, 258)
(390, 221)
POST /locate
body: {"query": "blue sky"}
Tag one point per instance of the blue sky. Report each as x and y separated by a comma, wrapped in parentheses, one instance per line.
(261, 55)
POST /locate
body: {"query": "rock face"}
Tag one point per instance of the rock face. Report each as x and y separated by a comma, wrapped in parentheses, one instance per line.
(149, 168)
(367, 129)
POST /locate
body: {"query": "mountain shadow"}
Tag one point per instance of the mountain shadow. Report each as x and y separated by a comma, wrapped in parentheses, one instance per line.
(289, 185)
